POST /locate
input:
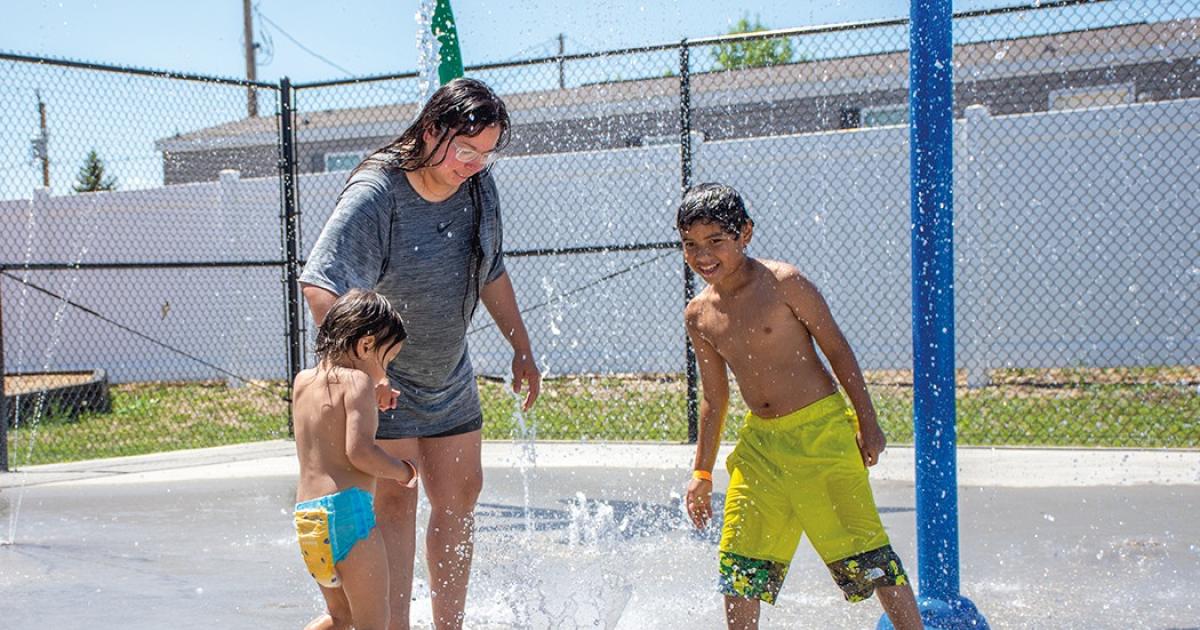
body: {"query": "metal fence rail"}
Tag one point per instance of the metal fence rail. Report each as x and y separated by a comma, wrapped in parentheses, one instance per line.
(1075, 233)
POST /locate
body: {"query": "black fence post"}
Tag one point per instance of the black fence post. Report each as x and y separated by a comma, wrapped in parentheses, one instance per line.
(3, 400)
(290, 231)
(689, 281)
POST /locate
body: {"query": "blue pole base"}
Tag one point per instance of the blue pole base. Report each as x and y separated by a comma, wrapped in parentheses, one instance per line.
(954, 614)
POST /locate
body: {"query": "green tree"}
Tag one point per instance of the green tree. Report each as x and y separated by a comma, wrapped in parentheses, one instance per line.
(753, 53)
(91, 175)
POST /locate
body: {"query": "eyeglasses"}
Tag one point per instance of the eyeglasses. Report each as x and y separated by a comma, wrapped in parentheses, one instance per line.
(471, 156)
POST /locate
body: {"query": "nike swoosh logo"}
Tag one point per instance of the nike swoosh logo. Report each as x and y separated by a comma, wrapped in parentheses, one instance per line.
(442, 226)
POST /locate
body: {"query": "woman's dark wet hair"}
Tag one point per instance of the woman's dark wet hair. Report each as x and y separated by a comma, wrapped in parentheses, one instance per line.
(357, 314)
(713, 203)
(462, 107)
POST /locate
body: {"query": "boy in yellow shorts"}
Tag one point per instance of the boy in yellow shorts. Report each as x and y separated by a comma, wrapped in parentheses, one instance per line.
(799, 466)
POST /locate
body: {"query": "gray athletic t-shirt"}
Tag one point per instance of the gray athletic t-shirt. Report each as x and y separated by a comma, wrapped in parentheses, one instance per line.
(384, 236)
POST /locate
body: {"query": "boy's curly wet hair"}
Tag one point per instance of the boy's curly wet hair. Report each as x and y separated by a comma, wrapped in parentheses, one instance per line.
(357, 314)
(713, 203)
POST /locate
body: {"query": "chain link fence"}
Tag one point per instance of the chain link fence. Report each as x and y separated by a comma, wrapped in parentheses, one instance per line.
(138, 316)
(1076, 220)
(1078, 226)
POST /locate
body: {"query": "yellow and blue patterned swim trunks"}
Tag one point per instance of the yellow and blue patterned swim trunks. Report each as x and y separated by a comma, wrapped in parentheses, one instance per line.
(802, 474)
(329, 526)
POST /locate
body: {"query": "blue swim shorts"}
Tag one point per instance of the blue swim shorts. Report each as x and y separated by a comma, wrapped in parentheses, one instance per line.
(328, 528)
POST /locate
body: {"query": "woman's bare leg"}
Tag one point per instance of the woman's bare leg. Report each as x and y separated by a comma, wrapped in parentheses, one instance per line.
(396, 517)
(453, 477)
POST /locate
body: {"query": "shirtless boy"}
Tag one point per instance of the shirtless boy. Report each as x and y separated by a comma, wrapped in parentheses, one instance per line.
(800, 463)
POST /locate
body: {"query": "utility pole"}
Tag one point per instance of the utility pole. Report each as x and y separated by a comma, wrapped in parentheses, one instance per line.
(41, 144)
(562, 72)
(251, 65)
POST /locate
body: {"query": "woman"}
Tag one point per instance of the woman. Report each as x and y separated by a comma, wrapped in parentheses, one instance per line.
(419, 222)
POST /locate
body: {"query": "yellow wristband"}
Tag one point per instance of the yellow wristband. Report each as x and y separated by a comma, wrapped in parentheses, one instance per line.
(702, 474)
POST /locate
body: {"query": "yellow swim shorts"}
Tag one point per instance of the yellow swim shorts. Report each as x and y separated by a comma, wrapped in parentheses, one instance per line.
(328, 527)
(802, 474)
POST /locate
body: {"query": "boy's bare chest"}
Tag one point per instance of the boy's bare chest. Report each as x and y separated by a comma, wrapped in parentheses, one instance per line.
(754, 328)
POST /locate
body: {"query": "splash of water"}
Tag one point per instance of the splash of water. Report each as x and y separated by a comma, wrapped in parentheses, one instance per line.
(526, 457)
(47, 355)
(591, 524)
(531, 599)
(428, 52)
(555, 313)
(30, 230)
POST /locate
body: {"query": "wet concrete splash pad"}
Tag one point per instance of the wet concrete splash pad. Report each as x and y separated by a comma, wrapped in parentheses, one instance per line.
(194, 546)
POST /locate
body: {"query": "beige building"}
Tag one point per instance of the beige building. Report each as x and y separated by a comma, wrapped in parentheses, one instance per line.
(1071, 70)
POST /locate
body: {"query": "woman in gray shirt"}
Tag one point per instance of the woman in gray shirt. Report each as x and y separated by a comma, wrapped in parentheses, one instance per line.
(419, 222)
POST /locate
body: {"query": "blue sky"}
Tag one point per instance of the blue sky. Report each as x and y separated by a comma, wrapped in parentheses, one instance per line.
(379, 36)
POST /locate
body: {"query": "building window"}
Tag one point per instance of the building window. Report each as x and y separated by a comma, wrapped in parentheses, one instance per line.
(343, 161)
(884, 115)
(1092, 96)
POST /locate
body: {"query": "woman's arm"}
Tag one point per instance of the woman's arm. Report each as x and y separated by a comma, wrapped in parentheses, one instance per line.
(319, 299)
(501, 302)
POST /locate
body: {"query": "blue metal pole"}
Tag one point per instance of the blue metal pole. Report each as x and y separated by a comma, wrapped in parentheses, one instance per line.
(931, 145)
(931, 134)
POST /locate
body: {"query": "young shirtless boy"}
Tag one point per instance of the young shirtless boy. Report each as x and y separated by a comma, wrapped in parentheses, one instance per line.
(335, 417)
(799, 466)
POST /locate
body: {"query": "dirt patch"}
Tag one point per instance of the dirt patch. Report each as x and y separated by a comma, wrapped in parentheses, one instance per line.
(20, 384)
(62, 395)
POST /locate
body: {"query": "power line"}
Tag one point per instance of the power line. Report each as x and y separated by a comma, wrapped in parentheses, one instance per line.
(139, 334)
(306, 49)
(522, 54)
(266, 47)
(558, 299)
